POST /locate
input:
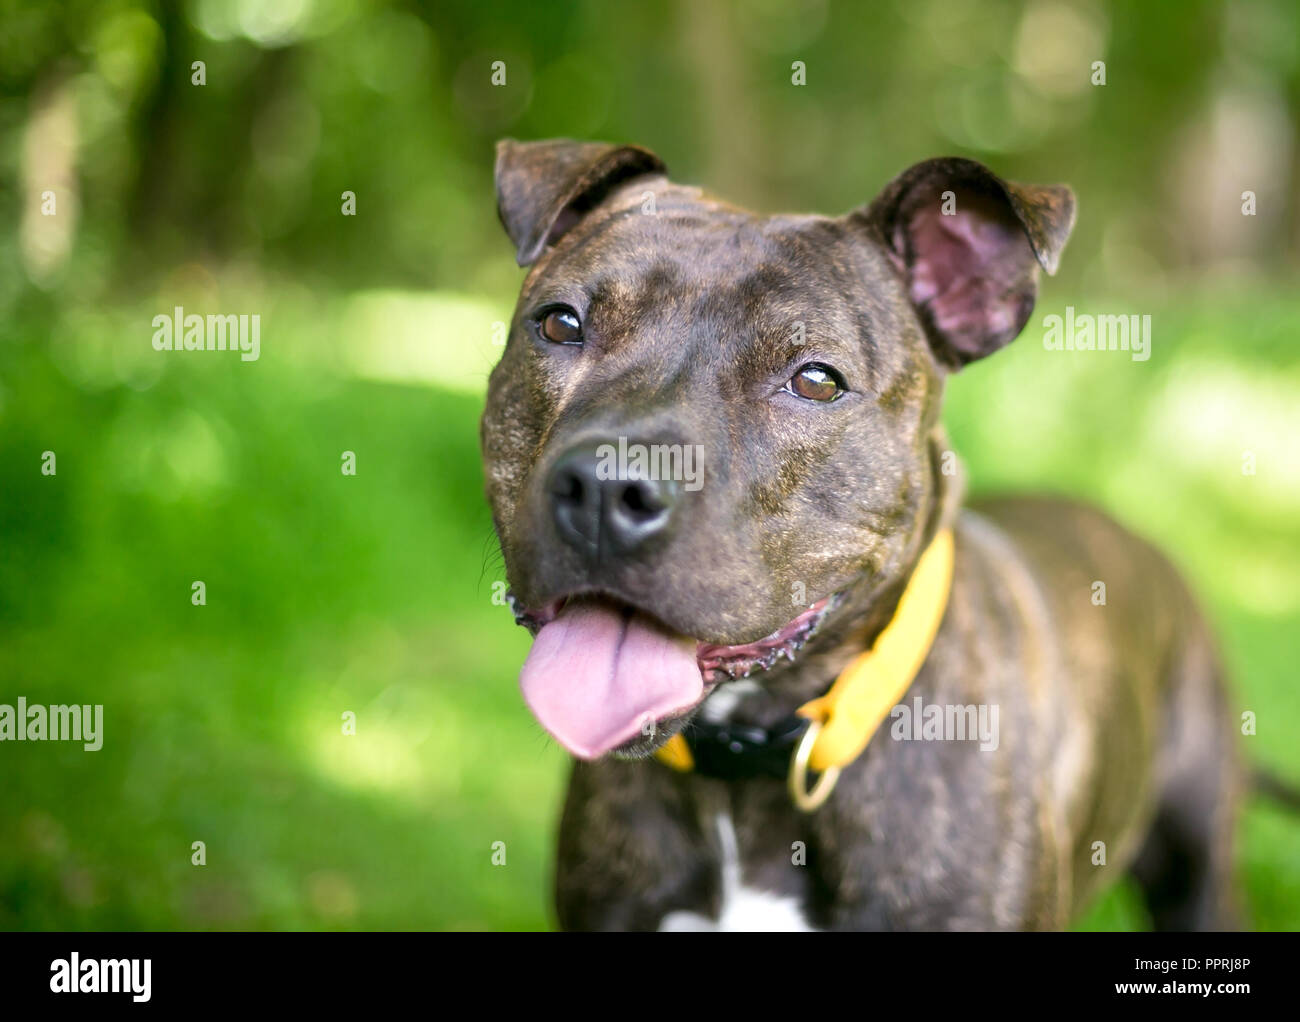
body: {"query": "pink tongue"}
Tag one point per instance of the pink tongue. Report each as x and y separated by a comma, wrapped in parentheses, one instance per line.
(596, 677)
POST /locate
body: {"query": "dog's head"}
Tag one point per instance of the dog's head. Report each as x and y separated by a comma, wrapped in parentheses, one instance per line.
(711, 432)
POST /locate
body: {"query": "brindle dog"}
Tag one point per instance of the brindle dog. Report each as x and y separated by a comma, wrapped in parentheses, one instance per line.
(806, 356)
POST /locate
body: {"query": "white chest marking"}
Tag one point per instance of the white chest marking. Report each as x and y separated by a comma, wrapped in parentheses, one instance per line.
(744, 909)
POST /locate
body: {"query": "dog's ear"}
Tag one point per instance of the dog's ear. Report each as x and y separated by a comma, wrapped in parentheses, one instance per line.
(969, 246)
(544, 188)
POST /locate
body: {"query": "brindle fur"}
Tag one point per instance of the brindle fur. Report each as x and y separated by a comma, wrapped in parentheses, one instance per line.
(1112, 718)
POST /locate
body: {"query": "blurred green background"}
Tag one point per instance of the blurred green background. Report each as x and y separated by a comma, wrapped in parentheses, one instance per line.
(372, 593)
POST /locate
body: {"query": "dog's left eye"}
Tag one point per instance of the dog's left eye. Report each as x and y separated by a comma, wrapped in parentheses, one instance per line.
(560, 326)
(816, 382)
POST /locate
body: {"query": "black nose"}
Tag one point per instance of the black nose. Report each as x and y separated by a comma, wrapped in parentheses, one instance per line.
(600, 515)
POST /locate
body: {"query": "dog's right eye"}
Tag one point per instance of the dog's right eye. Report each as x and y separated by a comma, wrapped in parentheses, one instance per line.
(560, 326)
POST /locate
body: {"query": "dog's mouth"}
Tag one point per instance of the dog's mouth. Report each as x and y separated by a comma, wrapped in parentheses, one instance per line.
(603, 674)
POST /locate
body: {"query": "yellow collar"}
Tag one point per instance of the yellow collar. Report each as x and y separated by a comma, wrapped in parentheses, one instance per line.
(842, 721)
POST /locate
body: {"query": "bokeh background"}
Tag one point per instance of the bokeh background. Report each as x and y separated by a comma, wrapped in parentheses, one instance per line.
(373, 593)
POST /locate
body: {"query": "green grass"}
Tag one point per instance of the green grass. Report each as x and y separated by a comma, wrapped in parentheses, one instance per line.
(373, 594)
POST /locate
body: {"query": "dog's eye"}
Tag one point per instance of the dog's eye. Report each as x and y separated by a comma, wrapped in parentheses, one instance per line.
(561, 326)
(816, 382)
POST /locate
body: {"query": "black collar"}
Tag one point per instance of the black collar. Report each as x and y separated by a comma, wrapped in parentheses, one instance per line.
(734, 752)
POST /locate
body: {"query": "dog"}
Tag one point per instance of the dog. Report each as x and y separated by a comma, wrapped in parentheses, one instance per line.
(731, 663)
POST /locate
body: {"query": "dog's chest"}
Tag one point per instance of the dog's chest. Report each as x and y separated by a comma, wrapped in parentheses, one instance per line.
(761, 869)
(743, 907)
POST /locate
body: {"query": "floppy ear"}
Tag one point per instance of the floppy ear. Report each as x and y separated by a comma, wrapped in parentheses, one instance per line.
(969, 246)
(544, 188)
